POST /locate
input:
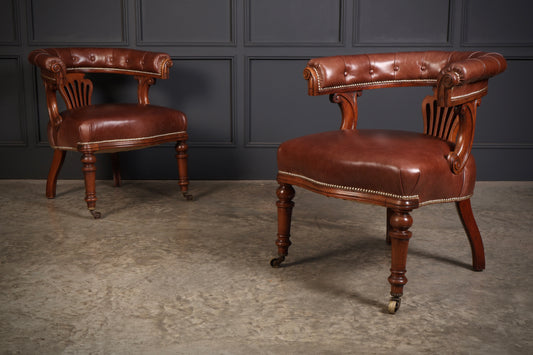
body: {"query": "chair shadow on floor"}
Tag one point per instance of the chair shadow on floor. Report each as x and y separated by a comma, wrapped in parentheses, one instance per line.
(372, 251)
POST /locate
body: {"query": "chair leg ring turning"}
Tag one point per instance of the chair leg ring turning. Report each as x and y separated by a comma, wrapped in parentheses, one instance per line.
(285, 193)
(400, 221)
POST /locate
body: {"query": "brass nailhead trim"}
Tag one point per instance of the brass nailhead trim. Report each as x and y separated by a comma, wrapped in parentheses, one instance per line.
(62, 148)
(130, 139)
(114, 69)
(350, 188)
(386, 194)
(445, 200)
(469, 94)
(116, 140)
(384, 82)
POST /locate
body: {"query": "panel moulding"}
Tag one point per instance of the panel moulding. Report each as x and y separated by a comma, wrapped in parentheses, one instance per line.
(357, 42)
(67, 43)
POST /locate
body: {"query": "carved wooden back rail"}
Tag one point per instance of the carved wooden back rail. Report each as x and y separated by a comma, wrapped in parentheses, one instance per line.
(63, 70)
(459, 79)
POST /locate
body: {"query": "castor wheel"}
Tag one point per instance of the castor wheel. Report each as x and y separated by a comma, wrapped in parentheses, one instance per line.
(276, 262)
(95, 214)
(188, 197)
(394, 305)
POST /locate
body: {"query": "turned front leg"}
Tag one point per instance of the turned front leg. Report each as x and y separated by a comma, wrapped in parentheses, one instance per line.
(181, 156)
(89, 173)
(389, 215)
(400, 221)
(285, 193)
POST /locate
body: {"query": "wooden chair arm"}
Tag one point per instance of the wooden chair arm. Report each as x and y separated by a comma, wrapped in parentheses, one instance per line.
(57, 65)
(48, 62)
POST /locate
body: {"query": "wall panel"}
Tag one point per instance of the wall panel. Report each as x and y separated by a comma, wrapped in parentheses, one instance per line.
(67, 22)
(237, 75)
(295, 22)
(11, 102)
(278, 109)
(509, 108)
(186, 22)
(9, 33)
(497, 23)
(203, 89)
(413, 22)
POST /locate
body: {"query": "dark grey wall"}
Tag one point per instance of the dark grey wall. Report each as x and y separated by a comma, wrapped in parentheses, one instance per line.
(238, 75)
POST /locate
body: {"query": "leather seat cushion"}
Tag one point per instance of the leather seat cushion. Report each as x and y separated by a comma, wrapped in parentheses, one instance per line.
(380, 161)
(112, 123)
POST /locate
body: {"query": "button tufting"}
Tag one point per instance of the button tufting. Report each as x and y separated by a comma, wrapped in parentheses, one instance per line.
(92, 58)
(396, 68)
(345, 73)
(371, 71)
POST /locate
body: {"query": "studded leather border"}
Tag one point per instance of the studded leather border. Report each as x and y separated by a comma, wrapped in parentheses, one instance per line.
(383, 82)
(374, 192)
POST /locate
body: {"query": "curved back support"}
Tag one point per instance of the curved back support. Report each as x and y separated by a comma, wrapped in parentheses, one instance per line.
(63, 69)
(459, 79)
(61, 61)
(458, 76)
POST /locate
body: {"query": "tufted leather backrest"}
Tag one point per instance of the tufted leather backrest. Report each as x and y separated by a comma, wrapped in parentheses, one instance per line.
(60, 61)
(430, 68)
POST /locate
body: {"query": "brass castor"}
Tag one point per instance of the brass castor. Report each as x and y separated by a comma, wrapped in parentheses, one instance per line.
(394, 305)
(276, 262)
(95, 214)
(187, 196)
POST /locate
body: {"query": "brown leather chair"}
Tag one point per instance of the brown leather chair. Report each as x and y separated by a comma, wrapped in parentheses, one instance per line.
(106, 128)
(399, 170)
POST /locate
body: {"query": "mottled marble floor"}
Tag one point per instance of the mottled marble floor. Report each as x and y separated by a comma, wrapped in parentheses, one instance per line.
(159, 275)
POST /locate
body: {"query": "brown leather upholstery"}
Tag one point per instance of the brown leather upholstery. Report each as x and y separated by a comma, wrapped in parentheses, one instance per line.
(396, 169)
(106, 128)
(362, 160)
(455, 74)
(119, 60)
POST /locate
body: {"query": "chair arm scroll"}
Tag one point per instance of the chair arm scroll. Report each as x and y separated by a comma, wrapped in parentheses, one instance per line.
(49, 63)
(467, 79)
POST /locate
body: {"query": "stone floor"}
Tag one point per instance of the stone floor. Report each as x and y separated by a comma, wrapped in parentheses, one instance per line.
(159, 275)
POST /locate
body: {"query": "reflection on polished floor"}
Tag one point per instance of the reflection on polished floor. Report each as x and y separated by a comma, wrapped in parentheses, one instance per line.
(161, 275)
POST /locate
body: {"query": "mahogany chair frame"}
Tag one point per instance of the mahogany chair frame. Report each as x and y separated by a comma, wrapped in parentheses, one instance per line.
(449, 114)
(76, 91)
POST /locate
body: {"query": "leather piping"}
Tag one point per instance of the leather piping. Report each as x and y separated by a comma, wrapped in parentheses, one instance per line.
(469, 94)
(116, 140)
(130, 139)
(62, 148)
(114, 69)
(381, 193)
(350, 188)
